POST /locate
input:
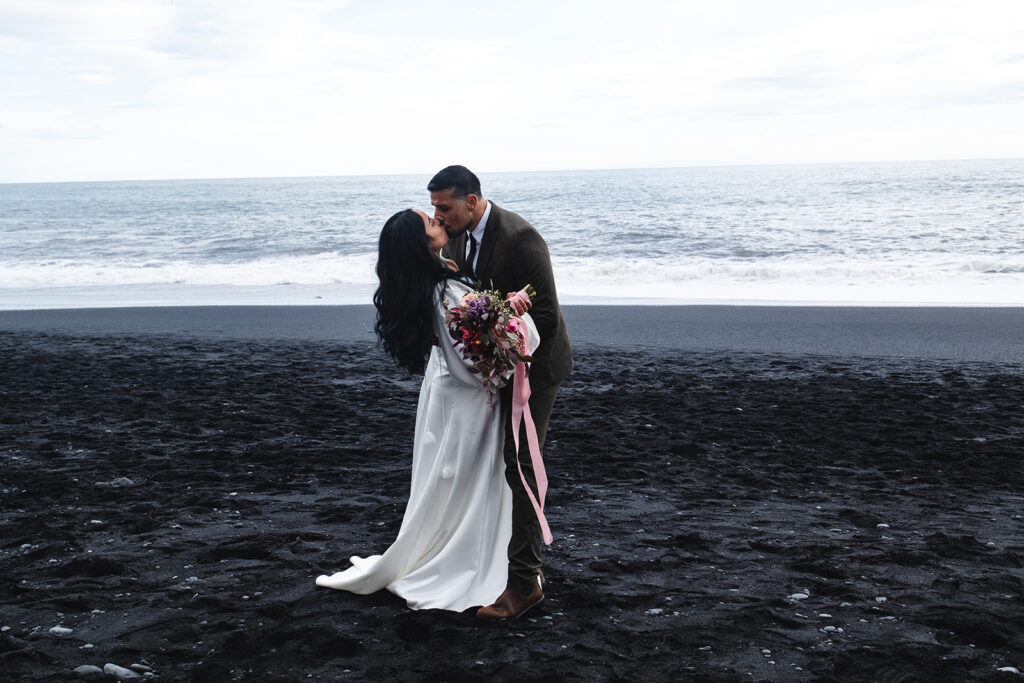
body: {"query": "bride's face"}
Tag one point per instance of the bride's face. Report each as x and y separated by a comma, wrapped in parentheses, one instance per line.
(436, 236)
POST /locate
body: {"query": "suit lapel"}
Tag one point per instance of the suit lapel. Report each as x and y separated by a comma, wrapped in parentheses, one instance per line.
(491, 230)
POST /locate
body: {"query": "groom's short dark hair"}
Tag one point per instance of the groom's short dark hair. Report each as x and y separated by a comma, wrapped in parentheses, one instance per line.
(459, 179)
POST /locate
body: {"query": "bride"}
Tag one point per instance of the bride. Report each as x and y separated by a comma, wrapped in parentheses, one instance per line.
(450, 552)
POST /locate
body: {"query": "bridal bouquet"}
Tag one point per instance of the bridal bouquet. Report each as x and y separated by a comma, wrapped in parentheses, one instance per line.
(488, 333)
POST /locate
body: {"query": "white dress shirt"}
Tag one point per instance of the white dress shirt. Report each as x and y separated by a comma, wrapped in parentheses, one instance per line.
(478, 235)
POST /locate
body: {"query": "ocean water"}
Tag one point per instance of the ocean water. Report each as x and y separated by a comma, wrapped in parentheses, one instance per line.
(921, 233)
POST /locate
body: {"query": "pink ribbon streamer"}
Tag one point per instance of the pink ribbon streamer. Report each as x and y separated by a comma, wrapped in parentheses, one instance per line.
(521, 413)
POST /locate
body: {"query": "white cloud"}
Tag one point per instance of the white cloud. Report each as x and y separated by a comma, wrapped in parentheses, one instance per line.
(147, 88)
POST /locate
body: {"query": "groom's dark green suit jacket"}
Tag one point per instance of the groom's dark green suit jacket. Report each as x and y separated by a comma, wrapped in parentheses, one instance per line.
(514, 255)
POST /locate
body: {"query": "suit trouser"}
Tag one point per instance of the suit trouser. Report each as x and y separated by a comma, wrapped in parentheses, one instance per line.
(525, 546)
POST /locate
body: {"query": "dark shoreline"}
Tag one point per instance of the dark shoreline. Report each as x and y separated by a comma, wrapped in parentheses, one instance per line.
(968, 333)
(169, 497)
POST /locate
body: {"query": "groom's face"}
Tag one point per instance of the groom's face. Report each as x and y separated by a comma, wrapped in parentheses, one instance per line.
(454, 214)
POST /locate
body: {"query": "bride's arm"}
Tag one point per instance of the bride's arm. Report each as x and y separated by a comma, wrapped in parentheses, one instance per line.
(458, 367)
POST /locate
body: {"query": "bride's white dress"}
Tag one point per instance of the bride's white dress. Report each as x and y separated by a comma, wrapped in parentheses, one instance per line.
(451, 550)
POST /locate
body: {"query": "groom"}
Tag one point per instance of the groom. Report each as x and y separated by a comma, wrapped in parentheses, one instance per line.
(503, 251)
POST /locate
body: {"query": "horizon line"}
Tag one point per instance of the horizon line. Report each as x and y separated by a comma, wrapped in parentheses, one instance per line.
(531, 171)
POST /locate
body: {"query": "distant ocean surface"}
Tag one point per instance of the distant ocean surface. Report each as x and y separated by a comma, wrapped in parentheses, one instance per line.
(920, 233)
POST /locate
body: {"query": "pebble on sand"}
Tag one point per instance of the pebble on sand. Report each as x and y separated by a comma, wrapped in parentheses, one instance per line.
(117, 482)
(88, 670)
(60, 631)
(119, 672)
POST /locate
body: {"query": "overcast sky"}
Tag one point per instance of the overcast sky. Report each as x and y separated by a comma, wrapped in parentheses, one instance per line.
(126, 89)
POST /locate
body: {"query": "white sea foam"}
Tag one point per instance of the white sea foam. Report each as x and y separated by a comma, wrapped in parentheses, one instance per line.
(926, 281)
(330, 268)
(268, 271)
(330, 278)
(923, 268)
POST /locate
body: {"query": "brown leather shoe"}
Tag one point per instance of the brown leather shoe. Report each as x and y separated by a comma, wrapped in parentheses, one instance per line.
(511, 604)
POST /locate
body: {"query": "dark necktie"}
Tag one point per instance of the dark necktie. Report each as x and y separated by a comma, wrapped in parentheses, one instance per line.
(472, 255)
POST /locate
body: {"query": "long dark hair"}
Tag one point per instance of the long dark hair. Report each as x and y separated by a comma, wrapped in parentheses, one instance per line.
(406, 296)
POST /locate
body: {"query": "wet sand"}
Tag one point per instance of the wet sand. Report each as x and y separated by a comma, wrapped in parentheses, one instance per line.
(965, 334)
(746, 494)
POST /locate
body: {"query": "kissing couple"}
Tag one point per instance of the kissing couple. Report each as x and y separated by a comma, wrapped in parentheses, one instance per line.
(473, 530)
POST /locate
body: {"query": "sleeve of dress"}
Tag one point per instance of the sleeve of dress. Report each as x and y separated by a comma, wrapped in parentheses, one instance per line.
(532, 335)
(458, 367)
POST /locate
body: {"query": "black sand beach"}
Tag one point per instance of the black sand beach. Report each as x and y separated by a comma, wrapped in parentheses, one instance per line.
(777, 494)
